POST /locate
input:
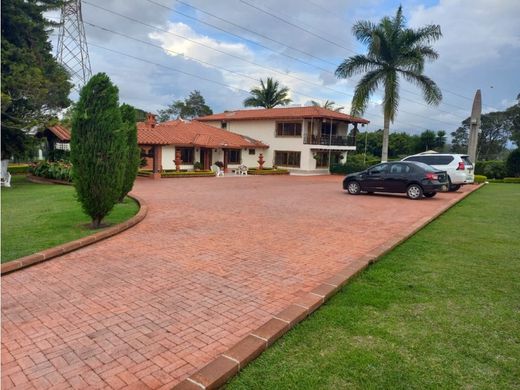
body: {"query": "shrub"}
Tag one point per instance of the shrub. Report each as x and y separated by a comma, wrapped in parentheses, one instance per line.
(18, 169)
(513, 163)
(512, 180)
(492, 168)
(355, 163)
(133, 153)
(480, 179)
(98, 148)
(270, 171)
(57, 170)
(188, 174)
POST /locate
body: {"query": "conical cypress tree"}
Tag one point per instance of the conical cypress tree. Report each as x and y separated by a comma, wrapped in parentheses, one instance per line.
(98, 148)
(128, 115)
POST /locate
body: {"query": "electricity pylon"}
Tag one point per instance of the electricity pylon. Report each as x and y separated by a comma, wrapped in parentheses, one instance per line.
(72, 51)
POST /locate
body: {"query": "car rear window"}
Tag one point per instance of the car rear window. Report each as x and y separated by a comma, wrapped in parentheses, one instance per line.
(432, 160)
(466, 160)
(426, 167)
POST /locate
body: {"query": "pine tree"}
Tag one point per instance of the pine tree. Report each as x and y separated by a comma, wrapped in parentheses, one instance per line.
(98, 148)
(131, 166)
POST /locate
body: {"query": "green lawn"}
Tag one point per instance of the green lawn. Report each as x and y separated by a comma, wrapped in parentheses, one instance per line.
(40, 216)
(442, 310)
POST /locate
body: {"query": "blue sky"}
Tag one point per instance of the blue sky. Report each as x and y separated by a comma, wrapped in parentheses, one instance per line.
(480, 49)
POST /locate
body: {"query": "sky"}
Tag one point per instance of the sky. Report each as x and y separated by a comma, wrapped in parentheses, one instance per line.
(158, 51)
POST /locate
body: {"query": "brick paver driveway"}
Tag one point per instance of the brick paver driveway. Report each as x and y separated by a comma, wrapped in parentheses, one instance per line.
(214, 259)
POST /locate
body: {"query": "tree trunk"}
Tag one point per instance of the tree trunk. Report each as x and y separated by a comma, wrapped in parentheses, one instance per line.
(386, 131)
(96, 222)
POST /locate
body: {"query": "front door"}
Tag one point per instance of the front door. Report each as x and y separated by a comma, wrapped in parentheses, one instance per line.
(205, 158)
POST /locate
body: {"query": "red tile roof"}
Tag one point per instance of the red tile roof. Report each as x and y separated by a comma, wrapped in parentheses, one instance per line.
(282, 113)
(193, 133)
(61, 132)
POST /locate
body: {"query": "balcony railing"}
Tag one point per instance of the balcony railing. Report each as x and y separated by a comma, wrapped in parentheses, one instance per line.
(328, 140)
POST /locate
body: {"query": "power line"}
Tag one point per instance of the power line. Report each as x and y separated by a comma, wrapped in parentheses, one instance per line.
(251, 31)
(251, 62)
(285, 45)
(236, 35)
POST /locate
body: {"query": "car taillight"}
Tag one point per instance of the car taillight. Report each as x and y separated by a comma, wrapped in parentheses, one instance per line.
(432, 176)
(461, 166)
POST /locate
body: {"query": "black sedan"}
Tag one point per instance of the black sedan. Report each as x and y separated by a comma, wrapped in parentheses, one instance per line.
(413, 178)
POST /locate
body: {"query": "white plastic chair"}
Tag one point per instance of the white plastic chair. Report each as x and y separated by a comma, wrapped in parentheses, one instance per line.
(217, 170)
(242, 169)
(5, 179)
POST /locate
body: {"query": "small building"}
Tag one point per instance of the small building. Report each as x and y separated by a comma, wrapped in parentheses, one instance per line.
(56, 141)
(305, 140)
(196, 142)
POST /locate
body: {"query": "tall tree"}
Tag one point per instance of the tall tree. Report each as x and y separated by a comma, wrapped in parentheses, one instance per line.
(514, 113)
(329, 105)
(34, 85)
(133, 153)
(394, 51)
(268, 95)
(98, 148)
(191, 107)
(496, 129)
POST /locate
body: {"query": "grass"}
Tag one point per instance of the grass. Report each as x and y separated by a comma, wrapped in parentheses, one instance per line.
(442, 310)
(40, 216)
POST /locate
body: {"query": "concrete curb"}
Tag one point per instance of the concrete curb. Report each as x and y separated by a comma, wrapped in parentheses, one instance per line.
(59, 250)
(216, 373)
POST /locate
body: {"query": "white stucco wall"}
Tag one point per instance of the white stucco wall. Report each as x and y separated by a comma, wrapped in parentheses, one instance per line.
(265, 131)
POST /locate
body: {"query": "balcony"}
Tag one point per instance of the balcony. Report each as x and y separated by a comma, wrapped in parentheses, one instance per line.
(325, 139)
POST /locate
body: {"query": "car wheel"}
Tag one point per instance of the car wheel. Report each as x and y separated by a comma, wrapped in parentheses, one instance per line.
(414, 191)
(430, 194)
(454, 187)
(353, 188)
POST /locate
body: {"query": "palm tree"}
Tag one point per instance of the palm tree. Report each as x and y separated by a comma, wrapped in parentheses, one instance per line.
(393, 51)
(268, 95)
(329, 105)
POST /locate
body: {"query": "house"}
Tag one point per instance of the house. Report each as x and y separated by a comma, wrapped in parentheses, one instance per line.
(302, 139)
(195, 142)
(57, 141)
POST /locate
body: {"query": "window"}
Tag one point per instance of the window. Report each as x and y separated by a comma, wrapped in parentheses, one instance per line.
(252, 151)
(234, 156)
(399, 168)
(289, 129)
(322, 159)
(287, 159)
(378, 169)
(432, 160)
(223, 125)
(186, 155)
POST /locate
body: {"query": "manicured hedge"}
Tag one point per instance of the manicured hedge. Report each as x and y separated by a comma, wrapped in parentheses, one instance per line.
(480, 179)
(268, 171)
(515, 180)
(18, 169)
(188, 174)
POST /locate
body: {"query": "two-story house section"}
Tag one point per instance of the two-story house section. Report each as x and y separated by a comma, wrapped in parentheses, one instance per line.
(305, 140)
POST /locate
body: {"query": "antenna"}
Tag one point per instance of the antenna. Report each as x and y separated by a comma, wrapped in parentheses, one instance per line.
(72, 51)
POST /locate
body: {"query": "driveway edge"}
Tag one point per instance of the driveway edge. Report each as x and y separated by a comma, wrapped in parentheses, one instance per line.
(47, 254)
(225, 366)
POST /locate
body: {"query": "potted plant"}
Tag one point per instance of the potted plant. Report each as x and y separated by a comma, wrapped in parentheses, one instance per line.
(197, 166)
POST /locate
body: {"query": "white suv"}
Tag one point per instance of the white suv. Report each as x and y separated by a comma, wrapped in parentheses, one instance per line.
(458, 166)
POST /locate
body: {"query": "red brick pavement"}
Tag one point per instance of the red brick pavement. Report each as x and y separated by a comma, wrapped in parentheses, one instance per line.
(214, 259)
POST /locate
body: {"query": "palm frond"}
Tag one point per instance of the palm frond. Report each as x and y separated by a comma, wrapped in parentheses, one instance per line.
(431, 92)
(364, 89)
(362, 30)
(356, 64)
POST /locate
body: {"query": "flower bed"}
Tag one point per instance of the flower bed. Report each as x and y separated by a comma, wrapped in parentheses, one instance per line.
(59, 170)
(267, 171)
